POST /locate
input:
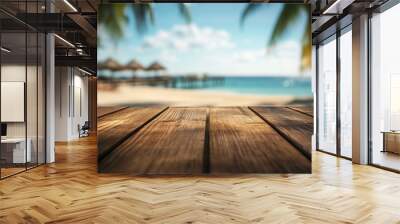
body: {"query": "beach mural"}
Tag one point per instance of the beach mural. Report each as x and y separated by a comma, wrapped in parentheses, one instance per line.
(174, 74)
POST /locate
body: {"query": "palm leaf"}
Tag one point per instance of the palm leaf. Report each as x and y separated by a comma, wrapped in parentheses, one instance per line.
(113, 18)
(143, 13)
(250, 8)
(306, 46)
(287, 17)
(185, 12)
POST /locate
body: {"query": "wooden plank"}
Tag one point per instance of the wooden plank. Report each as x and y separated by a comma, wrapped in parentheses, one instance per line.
(114, 128)
(171, 144)
(294, 126)
(102, 111)
(241, 142)
(308, 110)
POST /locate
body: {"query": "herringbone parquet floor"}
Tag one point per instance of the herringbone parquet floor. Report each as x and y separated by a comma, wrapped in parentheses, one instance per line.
(71, 191)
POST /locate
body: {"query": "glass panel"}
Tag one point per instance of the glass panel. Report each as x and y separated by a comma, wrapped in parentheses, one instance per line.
(13, 87)
(327, 97)
(23, 90)
(385, 84)
(346, 94)
(32, 90)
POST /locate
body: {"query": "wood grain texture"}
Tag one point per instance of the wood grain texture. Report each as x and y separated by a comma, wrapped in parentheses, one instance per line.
(241, 142)
(102, 111)
(171, 144)
(115, 127)
(71, 191)
(303, 109)
(294, 126)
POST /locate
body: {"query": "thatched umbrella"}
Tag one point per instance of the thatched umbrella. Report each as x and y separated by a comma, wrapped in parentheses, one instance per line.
(134, 66)
(155, 66)
(110, 64)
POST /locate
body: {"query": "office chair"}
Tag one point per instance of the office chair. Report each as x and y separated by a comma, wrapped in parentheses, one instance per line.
(84, 130)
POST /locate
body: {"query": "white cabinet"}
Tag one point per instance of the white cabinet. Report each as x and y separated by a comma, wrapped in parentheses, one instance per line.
(19, 155)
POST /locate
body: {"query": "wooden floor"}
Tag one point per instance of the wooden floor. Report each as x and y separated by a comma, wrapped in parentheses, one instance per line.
(198, 140)
(71, 191)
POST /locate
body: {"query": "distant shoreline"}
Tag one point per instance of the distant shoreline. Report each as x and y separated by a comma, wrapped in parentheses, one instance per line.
(261, 86)
(126, 94)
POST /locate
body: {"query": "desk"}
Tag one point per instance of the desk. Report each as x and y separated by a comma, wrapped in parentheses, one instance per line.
(13, 150)
(391, 141)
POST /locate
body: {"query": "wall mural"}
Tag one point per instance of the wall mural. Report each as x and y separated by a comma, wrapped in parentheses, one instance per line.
(206, 88)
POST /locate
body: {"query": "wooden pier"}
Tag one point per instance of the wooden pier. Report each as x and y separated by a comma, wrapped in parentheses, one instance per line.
(205, 140)
(189, 81)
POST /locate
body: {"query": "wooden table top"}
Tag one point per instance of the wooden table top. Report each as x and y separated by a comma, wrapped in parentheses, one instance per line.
(202, 140)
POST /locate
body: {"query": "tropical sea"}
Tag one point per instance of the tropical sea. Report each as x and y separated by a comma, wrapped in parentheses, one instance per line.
(266, 85)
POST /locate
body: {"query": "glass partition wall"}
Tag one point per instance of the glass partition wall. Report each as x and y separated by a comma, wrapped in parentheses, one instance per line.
(327, 95)
(334, 119)
(385, 89)
(345, 91)
(22, 77)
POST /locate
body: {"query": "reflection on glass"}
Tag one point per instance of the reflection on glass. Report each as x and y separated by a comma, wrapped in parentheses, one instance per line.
(22, 91)
(346, 94)
(385, 84)
(14, 153)
(327, 97)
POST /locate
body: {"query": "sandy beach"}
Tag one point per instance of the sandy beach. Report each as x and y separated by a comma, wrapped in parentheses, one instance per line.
(126, 94)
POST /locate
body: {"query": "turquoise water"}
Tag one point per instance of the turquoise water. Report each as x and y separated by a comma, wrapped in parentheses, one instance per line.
(271, 86)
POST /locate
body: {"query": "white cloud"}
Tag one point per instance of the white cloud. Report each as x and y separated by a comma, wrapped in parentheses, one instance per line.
(283, 59)
(248, 55)
(285, 49)
(188, 37)
(166, 57)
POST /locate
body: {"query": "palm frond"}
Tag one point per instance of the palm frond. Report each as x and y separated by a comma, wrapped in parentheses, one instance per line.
(250, 8)
(306, 46)
(112, 17)
(185, 12)
(143, 13)
(287, 17)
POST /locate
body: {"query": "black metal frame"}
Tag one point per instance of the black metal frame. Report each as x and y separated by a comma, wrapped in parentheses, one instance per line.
(338, 97)
(369, 70)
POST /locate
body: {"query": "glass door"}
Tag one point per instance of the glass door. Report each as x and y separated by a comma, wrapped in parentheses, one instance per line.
(385, 89)
(22, 77)
(327, 96)
(346, 93)
(14, 153)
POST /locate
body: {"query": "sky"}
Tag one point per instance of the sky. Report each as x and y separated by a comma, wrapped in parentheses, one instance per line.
(214, 42)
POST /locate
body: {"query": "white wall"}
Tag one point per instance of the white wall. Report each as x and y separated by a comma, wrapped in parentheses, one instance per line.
(12, 73)
(71, 93)
(62, 81)
(33, 126)
(50, 95)
(360, 90)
